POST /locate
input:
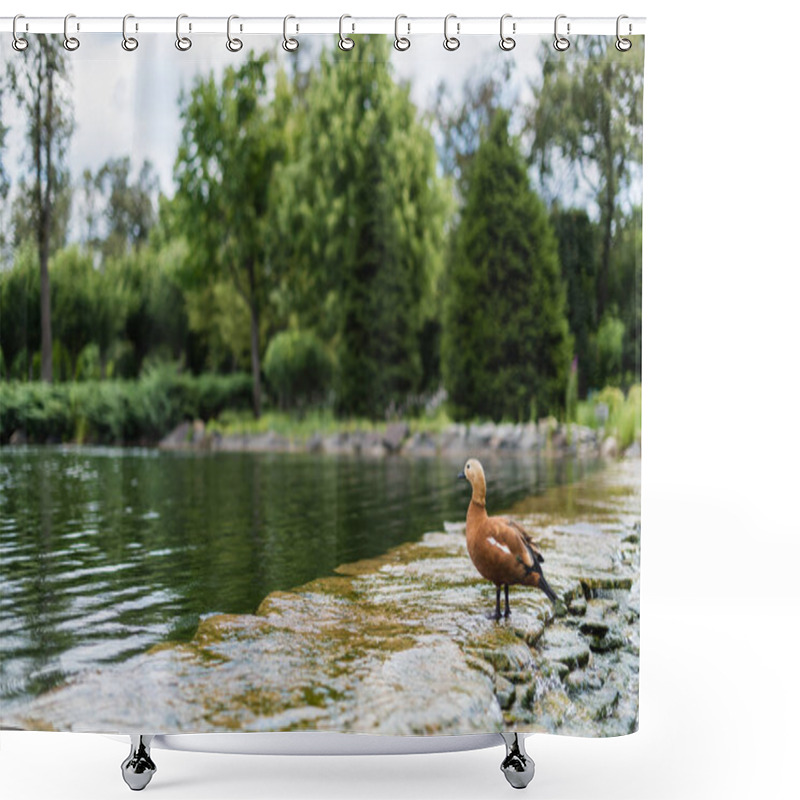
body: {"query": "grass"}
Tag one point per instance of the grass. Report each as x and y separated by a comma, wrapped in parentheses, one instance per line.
(624, 421)
(317, 421)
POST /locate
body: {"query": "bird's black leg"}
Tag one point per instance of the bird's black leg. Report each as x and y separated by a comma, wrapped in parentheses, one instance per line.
(497, 605)
(508, 610)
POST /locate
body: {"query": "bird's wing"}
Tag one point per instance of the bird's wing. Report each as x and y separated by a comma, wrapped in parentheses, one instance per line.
(527, 538)
(513, 545)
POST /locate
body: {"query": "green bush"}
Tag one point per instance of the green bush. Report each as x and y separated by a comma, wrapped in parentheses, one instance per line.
(298, 368)
(117, 411)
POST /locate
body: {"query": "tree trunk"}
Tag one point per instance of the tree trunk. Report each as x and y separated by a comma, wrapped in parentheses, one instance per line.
(255, 360)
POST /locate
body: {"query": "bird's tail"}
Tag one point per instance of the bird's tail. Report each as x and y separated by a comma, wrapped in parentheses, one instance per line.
(545, 587)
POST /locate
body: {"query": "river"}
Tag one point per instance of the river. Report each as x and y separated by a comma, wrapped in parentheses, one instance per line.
(105, 552)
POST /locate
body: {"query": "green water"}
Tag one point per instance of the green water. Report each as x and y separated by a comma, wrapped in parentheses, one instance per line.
(106, 552)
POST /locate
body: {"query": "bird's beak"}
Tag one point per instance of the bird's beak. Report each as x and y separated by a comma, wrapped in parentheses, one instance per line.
(461, 476)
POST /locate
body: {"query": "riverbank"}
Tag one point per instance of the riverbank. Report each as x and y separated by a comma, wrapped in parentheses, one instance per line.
(400, 644)
(547, 437)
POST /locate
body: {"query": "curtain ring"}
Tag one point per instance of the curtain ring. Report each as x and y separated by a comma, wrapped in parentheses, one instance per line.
(345, 43)
(19, 43)
(561, 43)
(623, 45)
(401, 43)
(71, 43)
(183, 43)
(234, 45)
(451, 43)
(128, 42)
(289, 44)
(506, 42)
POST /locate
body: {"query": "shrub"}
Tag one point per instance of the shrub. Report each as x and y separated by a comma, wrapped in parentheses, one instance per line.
(298, 368)
(117, 411)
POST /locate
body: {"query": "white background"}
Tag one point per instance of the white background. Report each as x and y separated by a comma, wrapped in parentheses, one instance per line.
(721, 561)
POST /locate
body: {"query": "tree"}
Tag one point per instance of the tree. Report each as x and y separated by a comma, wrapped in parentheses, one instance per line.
(89, 305)
(367, 212)
(461, 119)
(129, 210)
(3, 176)
(577, 253)
(233, 137)
(40, 83)
(506, 345)
(588, 110)
(19, 313)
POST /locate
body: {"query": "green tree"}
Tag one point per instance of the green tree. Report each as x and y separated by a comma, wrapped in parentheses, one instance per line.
(626, 291)
(20, 329)
(460, 118)
(40, 83)
(3, 176)
(577, 253)
(298, 368)
(506, 345)
(588, 110)
(156, 324)
(368, 214)
(233, 137)
(89, 305)
(129, 210)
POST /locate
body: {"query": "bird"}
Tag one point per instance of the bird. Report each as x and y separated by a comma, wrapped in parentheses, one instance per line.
(501, 549)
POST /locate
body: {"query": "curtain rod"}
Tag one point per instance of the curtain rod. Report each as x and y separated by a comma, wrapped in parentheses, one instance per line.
(407, 25)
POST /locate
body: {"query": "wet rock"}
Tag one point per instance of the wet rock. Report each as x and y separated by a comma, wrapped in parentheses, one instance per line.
(420, 444)
(480, 436)
(571, 657)
(609, 448)
(395, 435)
(577, 606)
(601, 703)
(179, 438)
(505, 691)
(594, 627)
(315, 443)
(634, 451)
(612, 640)
(510, 658)
(580, 680)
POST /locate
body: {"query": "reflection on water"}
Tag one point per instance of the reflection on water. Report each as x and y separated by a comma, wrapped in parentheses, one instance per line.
(105, 552)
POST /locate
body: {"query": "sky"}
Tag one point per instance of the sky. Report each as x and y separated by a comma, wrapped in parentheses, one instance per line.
(126, 103)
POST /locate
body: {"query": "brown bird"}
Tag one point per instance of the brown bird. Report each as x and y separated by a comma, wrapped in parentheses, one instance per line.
(501, 549)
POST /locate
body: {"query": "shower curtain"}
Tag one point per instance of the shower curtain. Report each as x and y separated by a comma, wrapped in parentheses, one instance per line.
(261, 301)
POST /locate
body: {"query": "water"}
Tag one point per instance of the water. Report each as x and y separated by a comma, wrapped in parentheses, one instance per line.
(106, 552)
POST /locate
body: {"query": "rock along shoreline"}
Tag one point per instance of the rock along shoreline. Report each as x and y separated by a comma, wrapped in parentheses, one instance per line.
(547, 437)
(401, 644)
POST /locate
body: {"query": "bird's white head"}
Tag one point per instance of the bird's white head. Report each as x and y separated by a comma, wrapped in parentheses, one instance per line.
(473, 472)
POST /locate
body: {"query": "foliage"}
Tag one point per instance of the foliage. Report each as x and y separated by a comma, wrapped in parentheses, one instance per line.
(608, 350)
(89, 305)
(156, 320)
(128, 209)
(460, 120)
(626, 291)
(506, 344)
(364, 218)
(577, 252)
(40, 84)
(20, 307)
(116, 411)
(233, 137)
(616, 413)
(298, 368)
(588, 115)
